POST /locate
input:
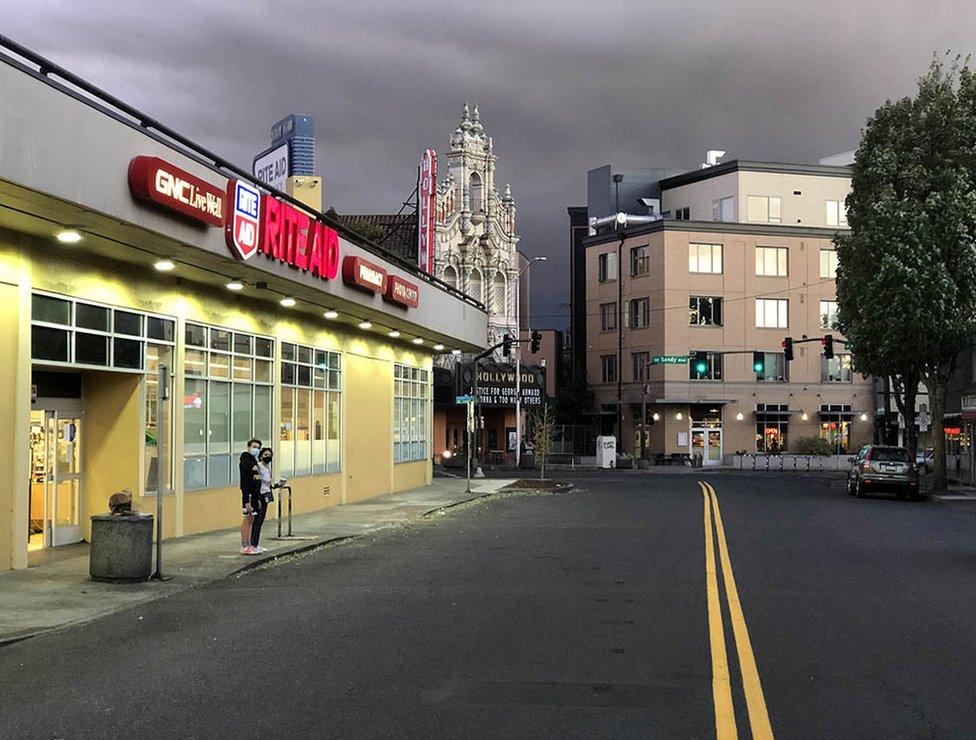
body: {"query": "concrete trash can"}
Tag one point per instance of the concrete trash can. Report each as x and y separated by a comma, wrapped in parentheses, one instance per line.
(121, 548)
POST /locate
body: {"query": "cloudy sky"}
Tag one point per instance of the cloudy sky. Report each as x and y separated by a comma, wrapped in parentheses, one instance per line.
(563, 85)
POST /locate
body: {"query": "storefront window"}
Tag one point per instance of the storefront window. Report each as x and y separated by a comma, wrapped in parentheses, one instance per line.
(222, 411)
(65, 331)
(311, 383)
(837, 434)
(411, 403)
(772, 428)
(157, 354)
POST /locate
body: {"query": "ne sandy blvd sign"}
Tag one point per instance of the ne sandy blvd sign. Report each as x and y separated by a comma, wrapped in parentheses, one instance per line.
(669, 359)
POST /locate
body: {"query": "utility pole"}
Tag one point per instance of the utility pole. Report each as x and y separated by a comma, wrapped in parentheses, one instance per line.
(617, 179)
(162, 396)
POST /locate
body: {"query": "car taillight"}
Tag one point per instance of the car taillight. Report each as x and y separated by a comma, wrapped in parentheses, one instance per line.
(866, 467)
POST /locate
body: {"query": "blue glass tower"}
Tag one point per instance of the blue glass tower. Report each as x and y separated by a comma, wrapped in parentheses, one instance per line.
(299, 131)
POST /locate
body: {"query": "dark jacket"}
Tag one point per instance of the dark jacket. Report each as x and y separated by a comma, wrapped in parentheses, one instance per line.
(250, 478)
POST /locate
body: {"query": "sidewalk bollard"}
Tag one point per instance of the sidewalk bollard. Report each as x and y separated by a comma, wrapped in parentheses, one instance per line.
(284, 488)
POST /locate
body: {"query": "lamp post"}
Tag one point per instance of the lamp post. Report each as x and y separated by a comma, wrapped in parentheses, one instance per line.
(518, 359)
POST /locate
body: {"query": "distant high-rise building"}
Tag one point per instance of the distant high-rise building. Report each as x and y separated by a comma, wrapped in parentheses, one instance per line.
(298, 130)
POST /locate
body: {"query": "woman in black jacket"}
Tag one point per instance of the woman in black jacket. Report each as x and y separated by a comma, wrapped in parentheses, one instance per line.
(250, 493)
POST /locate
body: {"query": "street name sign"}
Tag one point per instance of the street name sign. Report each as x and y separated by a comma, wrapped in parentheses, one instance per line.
(669, 359)
(465, 399)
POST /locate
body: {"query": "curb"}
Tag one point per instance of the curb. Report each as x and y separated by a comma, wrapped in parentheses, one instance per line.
(249, 565)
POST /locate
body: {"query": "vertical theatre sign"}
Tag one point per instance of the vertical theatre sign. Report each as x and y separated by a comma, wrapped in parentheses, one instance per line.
(426, 211)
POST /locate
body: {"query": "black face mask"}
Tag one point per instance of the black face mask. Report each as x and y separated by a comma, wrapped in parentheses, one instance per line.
(266, 460)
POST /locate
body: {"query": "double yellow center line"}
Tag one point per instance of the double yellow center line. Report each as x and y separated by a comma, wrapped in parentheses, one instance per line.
(725, 727)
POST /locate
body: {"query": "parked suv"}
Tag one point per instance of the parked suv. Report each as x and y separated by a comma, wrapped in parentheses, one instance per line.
(880, 468)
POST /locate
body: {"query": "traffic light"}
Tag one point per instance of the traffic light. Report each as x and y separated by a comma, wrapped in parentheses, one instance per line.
(536, 341)
(788, 349)
(828, 345)
(759, 364)
(507, 345)
(699, 363)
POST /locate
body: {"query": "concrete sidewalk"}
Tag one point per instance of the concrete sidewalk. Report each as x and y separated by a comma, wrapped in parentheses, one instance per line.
(59, 594)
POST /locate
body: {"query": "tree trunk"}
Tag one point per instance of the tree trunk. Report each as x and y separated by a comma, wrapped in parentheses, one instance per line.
(937, 384)
(905, 388)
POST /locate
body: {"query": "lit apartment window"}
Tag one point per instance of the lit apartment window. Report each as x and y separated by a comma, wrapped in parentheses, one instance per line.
(772, 313)
(763, 209)
(722, 209)
(640, 313)
(705, 258)
(838, 369)
(828, 314)
(828, 263)
(705, 310)
(641, 361)
(639, 261)
(714, 371)
(772, 261)
(775, 367)
(608, 316)
(607, 267)
(608, 368)
(836, 213)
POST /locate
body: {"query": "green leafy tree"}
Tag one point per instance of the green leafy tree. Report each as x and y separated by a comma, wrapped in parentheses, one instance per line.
(906, 280)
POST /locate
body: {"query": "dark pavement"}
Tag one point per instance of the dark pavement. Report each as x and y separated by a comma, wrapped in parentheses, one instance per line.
(579, 614)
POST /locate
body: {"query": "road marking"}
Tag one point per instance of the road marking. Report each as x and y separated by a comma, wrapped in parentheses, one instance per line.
(721, 683)
(755, 701)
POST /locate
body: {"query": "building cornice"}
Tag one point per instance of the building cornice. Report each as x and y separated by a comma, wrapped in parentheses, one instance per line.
(716, 227)
(737, 165)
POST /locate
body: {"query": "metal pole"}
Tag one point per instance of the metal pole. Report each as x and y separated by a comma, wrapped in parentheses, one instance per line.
(643, 444)
(289, 510)
(468, 424)
(279, 516)
(162, 395)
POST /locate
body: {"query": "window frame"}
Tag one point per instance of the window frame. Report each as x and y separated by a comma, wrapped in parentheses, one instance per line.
(640, 261)
(412, 413)
(845, 368)
(782, 313)
(781, 261)
(715, 371)
(765, 204)
(827, 324)
(695, 260)
(693, 310)
(608, 368)
(826, 273)
(320, 385)
(639, 308)
(610, 325)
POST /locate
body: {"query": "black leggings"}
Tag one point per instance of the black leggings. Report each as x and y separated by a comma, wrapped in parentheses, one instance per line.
(260, 511)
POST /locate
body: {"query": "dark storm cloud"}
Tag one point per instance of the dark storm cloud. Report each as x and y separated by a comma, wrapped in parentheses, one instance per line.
(562, 86)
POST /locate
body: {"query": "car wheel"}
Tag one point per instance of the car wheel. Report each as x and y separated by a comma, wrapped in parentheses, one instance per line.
(859, 489)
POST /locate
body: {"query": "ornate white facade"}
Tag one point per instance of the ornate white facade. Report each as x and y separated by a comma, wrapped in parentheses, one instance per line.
(476, 240)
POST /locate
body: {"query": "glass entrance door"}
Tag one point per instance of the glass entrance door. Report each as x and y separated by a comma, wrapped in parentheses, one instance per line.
(707, 443)
(56, 478)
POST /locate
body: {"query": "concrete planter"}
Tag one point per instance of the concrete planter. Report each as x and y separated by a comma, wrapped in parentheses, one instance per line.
(121, 548)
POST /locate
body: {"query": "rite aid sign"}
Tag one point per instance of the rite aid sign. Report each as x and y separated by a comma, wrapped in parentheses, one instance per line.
(255, 222)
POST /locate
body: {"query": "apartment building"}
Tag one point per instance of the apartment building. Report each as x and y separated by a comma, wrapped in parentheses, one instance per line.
(741, 258)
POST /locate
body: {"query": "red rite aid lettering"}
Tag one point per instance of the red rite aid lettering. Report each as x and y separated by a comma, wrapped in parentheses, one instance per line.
(283, 233)
(157, 181)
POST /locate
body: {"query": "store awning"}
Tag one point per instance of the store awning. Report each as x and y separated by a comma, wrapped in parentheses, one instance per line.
(695, 401)
(775, 414)
(837, 415)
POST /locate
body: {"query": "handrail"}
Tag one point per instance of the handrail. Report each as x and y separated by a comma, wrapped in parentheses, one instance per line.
(151, 127)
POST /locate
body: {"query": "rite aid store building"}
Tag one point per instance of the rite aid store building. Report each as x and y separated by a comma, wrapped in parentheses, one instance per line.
(123, 247)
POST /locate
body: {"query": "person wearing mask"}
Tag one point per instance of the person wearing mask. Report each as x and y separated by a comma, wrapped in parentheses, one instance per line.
(250, 493)
(266, 497)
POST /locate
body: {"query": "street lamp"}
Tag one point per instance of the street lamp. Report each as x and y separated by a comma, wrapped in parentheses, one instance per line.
(518, 359)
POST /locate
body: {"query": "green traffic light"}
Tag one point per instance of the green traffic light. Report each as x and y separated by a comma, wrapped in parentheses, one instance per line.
(757, 367)
(701, 368)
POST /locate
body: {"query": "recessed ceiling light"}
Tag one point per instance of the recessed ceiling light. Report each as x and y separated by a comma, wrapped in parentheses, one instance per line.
(164, 265)
(68, 236)
(417, 340)
(287, 301)
(455, 351)
(365, 324)
(235, 285)
(393, 333)
(330, 314)
(438, 347)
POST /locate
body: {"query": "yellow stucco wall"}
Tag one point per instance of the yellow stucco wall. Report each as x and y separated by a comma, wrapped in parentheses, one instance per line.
(367, 391)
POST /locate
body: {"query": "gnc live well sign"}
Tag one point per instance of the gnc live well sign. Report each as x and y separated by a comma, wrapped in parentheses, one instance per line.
(157, 181)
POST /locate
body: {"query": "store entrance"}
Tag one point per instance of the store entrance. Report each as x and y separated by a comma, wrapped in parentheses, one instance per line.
(706, 434)
(56, 435)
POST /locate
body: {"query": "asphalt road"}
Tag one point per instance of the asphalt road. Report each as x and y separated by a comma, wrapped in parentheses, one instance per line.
(586, 614)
